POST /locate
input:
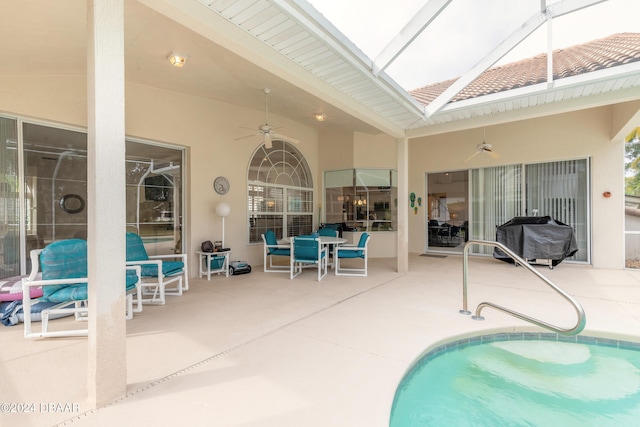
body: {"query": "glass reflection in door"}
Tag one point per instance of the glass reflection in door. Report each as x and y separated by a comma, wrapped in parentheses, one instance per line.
(447, 211)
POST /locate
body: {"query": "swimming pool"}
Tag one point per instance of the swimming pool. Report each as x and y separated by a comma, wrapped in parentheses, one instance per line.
(522, 379)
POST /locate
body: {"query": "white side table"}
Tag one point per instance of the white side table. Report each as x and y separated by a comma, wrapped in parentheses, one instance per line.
(205, 258)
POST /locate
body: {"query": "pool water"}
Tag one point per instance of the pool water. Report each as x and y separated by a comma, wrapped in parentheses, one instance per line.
(522, 383)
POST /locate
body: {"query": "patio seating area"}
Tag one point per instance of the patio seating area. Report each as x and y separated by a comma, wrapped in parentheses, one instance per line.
(262, 350)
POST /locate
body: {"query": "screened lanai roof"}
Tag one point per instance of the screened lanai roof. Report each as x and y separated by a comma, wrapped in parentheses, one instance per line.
(305, 38)
(613, 51)
(237, 48)
(598, 67)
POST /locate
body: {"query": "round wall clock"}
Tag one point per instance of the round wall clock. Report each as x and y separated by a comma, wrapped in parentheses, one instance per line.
(221, 185)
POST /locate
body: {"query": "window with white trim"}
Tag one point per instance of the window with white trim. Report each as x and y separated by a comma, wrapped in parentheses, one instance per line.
(280, 192)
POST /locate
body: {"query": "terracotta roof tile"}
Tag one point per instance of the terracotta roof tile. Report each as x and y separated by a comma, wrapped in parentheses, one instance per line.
(612, 51)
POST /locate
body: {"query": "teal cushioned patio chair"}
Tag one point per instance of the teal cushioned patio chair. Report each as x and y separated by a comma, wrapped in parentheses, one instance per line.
(161, 274)
(326, 231)
(352, 252)
(64, 280)
(307, 251)
(273, 249)
(329, 232)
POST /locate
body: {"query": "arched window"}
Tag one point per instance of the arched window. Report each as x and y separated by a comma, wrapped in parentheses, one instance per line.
(280, 196)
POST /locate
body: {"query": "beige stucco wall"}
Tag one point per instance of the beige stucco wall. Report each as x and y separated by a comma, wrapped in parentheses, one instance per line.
(208, 128)
(377, 151)
(374, 151)
(581, 134)
(58, 98)
(347, 150)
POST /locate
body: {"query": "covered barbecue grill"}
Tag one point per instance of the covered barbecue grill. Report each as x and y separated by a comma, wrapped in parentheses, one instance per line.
(537, 239)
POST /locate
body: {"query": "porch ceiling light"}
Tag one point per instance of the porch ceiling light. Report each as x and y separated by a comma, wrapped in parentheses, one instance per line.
(320, 117)
(177, 60)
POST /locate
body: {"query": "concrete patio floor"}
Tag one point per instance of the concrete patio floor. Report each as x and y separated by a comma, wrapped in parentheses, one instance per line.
(262, 350)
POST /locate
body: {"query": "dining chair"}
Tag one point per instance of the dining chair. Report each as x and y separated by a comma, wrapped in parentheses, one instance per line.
(332, 232)
(352, 252)
(307, 251)
(445, 233)
(328, 232)
(273, 249)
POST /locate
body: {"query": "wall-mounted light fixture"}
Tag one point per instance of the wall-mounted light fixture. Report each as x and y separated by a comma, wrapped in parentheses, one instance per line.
(320, 117)
(177, 60)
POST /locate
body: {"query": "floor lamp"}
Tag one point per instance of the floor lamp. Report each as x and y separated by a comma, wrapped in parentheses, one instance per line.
(223, 209)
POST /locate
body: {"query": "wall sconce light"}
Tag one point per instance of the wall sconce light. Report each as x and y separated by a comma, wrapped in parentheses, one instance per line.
(320, 117)
(177, 60)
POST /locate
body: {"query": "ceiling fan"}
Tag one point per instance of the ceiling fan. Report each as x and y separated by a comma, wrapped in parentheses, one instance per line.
(484, 148)
(266, 131)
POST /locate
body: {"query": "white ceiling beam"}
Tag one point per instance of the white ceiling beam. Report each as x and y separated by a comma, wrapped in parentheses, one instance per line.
(316, 24)
(546, 13)
(408, 34)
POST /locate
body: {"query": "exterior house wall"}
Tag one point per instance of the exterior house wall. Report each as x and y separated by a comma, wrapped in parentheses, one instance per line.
(337, 150)
(206, 127)
(59, 98)
(377, 151)
(565, 136)
(349, 150)
(374, 151)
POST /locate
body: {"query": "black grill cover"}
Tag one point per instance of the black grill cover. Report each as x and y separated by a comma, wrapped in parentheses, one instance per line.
(536, 237)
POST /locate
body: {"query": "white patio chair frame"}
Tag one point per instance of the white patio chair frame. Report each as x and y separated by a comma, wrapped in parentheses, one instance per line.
(321, 259)
(342, 271)
(269, 266)
(79, 308)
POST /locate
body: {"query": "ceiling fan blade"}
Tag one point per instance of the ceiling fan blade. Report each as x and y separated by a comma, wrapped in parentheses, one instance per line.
(285, 138)
(245, 137)
(472, 156)
(493, 154)
(266, 130)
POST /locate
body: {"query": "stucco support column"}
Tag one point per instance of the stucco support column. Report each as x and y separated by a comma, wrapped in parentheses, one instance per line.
(107, 374)
(403, 205)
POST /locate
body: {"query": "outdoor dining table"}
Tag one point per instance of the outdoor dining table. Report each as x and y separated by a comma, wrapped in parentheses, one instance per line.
(330, 241)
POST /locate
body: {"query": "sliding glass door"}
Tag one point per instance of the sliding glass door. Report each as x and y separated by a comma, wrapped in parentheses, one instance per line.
(560, 190)
(496, 195)
(447, 210)
(154, 196)
(9, 202)
(43, 191)
(556, 189)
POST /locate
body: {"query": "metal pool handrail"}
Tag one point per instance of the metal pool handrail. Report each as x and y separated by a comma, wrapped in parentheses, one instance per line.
(582, 320)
